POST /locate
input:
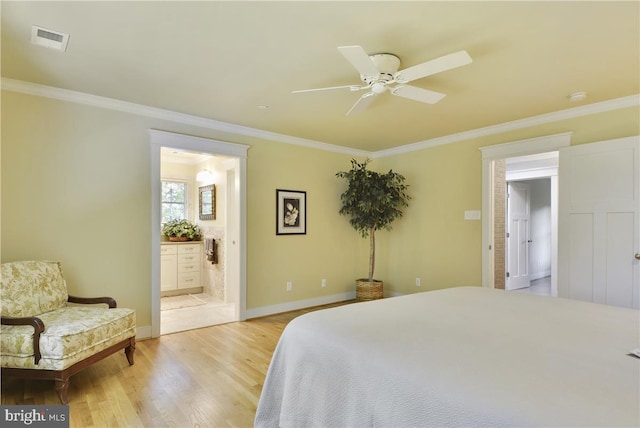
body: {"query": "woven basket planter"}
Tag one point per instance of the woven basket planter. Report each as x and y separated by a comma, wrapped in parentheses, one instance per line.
(368, 290)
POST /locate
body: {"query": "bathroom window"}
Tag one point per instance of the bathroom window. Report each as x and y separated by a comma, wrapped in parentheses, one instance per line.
(174, 200)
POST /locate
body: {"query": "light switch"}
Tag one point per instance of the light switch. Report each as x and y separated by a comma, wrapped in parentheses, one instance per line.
(472, 215)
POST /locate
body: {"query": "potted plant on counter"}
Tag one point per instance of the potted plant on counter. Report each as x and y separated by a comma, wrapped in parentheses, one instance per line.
(372, 202)
(181, 230)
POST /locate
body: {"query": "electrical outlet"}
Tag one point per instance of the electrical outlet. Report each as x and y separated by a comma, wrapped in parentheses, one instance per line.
(324, 282)
(418, 282)
(289, 286)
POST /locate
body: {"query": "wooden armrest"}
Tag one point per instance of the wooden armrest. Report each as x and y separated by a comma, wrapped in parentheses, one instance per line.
(93, 300)
(38, 327)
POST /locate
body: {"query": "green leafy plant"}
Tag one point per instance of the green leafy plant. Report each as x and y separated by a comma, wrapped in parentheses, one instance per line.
(372, 202)
(181, 228)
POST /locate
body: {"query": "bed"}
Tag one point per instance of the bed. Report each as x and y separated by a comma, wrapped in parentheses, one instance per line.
(466, 356)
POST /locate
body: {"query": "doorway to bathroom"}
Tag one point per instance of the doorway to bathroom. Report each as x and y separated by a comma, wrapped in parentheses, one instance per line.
(193, 291)
(206, 283)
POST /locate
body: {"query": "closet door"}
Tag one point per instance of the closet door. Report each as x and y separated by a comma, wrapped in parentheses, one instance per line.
(599, 222)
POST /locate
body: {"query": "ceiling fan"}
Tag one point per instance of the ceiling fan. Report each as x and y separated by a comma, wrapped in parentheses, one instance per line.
(379, 72)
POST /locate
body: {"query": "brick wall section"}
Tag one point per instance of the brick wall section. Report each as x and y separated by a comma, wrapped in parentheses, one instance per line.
(499, 210)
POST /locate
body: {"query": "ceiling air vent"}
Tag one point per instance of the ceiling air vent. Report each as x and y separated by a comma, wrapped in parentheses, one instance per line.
(49, 38)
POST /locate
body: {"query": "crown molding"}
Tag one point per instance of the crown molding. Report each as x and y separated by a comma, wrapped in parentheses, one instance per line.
(603, 106)
(171, 116)
(168, 115)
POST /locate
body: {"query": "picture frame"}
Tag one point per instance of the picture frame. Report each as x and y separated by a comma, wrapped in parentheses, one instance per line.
(207, 202)
(291, 212)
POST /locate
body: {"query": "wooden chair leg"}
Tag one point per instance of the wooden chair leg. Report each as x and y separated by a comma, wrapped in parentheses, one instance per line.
(62, 388)
(129, 350)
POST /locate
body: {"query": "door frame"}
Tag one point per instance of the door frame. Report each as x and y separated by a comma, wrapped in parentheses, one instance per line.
(159, 139)
(495, 152)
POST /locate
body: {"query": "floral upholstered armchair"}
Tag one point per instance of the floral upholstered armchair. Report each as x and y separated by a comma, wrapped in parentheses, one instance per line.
(47, 334)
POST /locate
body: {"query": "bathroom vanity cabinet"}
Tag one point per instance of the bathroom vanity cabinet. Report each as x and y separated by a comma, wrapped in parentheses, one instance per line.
(180, 267)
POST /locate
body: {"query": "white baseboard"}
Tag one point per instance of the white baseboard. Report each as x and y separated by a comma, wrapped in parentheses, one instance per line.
(144, 332)
(298, 304)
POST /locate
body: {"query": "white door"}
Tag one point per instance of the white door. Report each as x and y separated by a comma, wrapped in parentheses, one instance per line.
(518, 233)
(599, 213)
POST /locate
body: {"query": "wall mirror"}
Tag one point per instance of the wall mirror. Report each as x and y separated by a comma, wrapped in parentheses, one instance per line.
(208, 202)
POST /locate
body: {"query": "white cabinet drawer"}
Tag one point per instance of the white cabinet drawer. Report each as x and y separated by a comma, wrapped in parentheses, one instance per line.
(168, 249)
(188, 279)
(188, 258)
(189, 249)
(188, 267)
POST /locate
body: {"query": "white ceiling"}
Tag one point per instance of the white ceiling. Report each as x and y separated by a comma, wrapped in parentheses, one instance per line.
(221, 60)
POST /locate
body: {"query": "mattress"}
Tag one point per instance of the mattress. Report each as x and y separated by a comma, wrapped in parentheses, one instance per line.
(465, 356)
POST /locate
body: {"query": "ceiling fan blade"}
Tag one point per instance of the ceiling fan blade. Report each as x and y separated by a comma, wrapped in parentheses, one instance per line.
(434, 66)
(350, 87)
(359, 59)
(417, 94)
(362, 103)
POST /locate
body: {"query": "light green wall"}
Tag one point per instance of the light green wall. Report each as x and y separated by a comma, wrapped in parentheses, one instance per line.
(432, 241)
(76, 188)
(330, 248)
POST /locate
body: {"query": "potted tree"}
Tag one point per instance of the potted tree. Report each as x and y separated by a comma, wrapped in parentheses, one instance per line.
(181, 230)
(372, 202)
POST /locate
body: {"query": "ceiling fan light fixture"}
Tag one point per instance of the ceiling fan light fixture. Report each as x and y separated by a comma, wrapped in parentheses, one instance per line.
(378, 87)
(386, 63)
(378, 72)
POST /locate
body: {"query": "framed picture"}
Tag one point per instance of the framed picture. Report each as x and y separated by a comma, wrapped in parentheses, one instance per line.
(291, 212)
(207, 199)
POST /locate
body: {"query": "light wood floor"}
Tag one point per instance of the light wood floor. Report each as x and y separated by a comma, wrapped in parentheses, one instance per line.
(210, 377)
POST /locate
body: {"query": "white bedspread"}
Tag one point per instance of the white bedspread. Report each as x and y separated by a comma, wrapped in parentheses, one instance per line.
(465, 356)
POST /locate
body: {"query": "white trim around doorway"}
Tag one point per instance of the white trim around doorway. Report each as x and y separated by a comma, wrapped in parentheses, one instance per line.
(530, 146)
(160, 139)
